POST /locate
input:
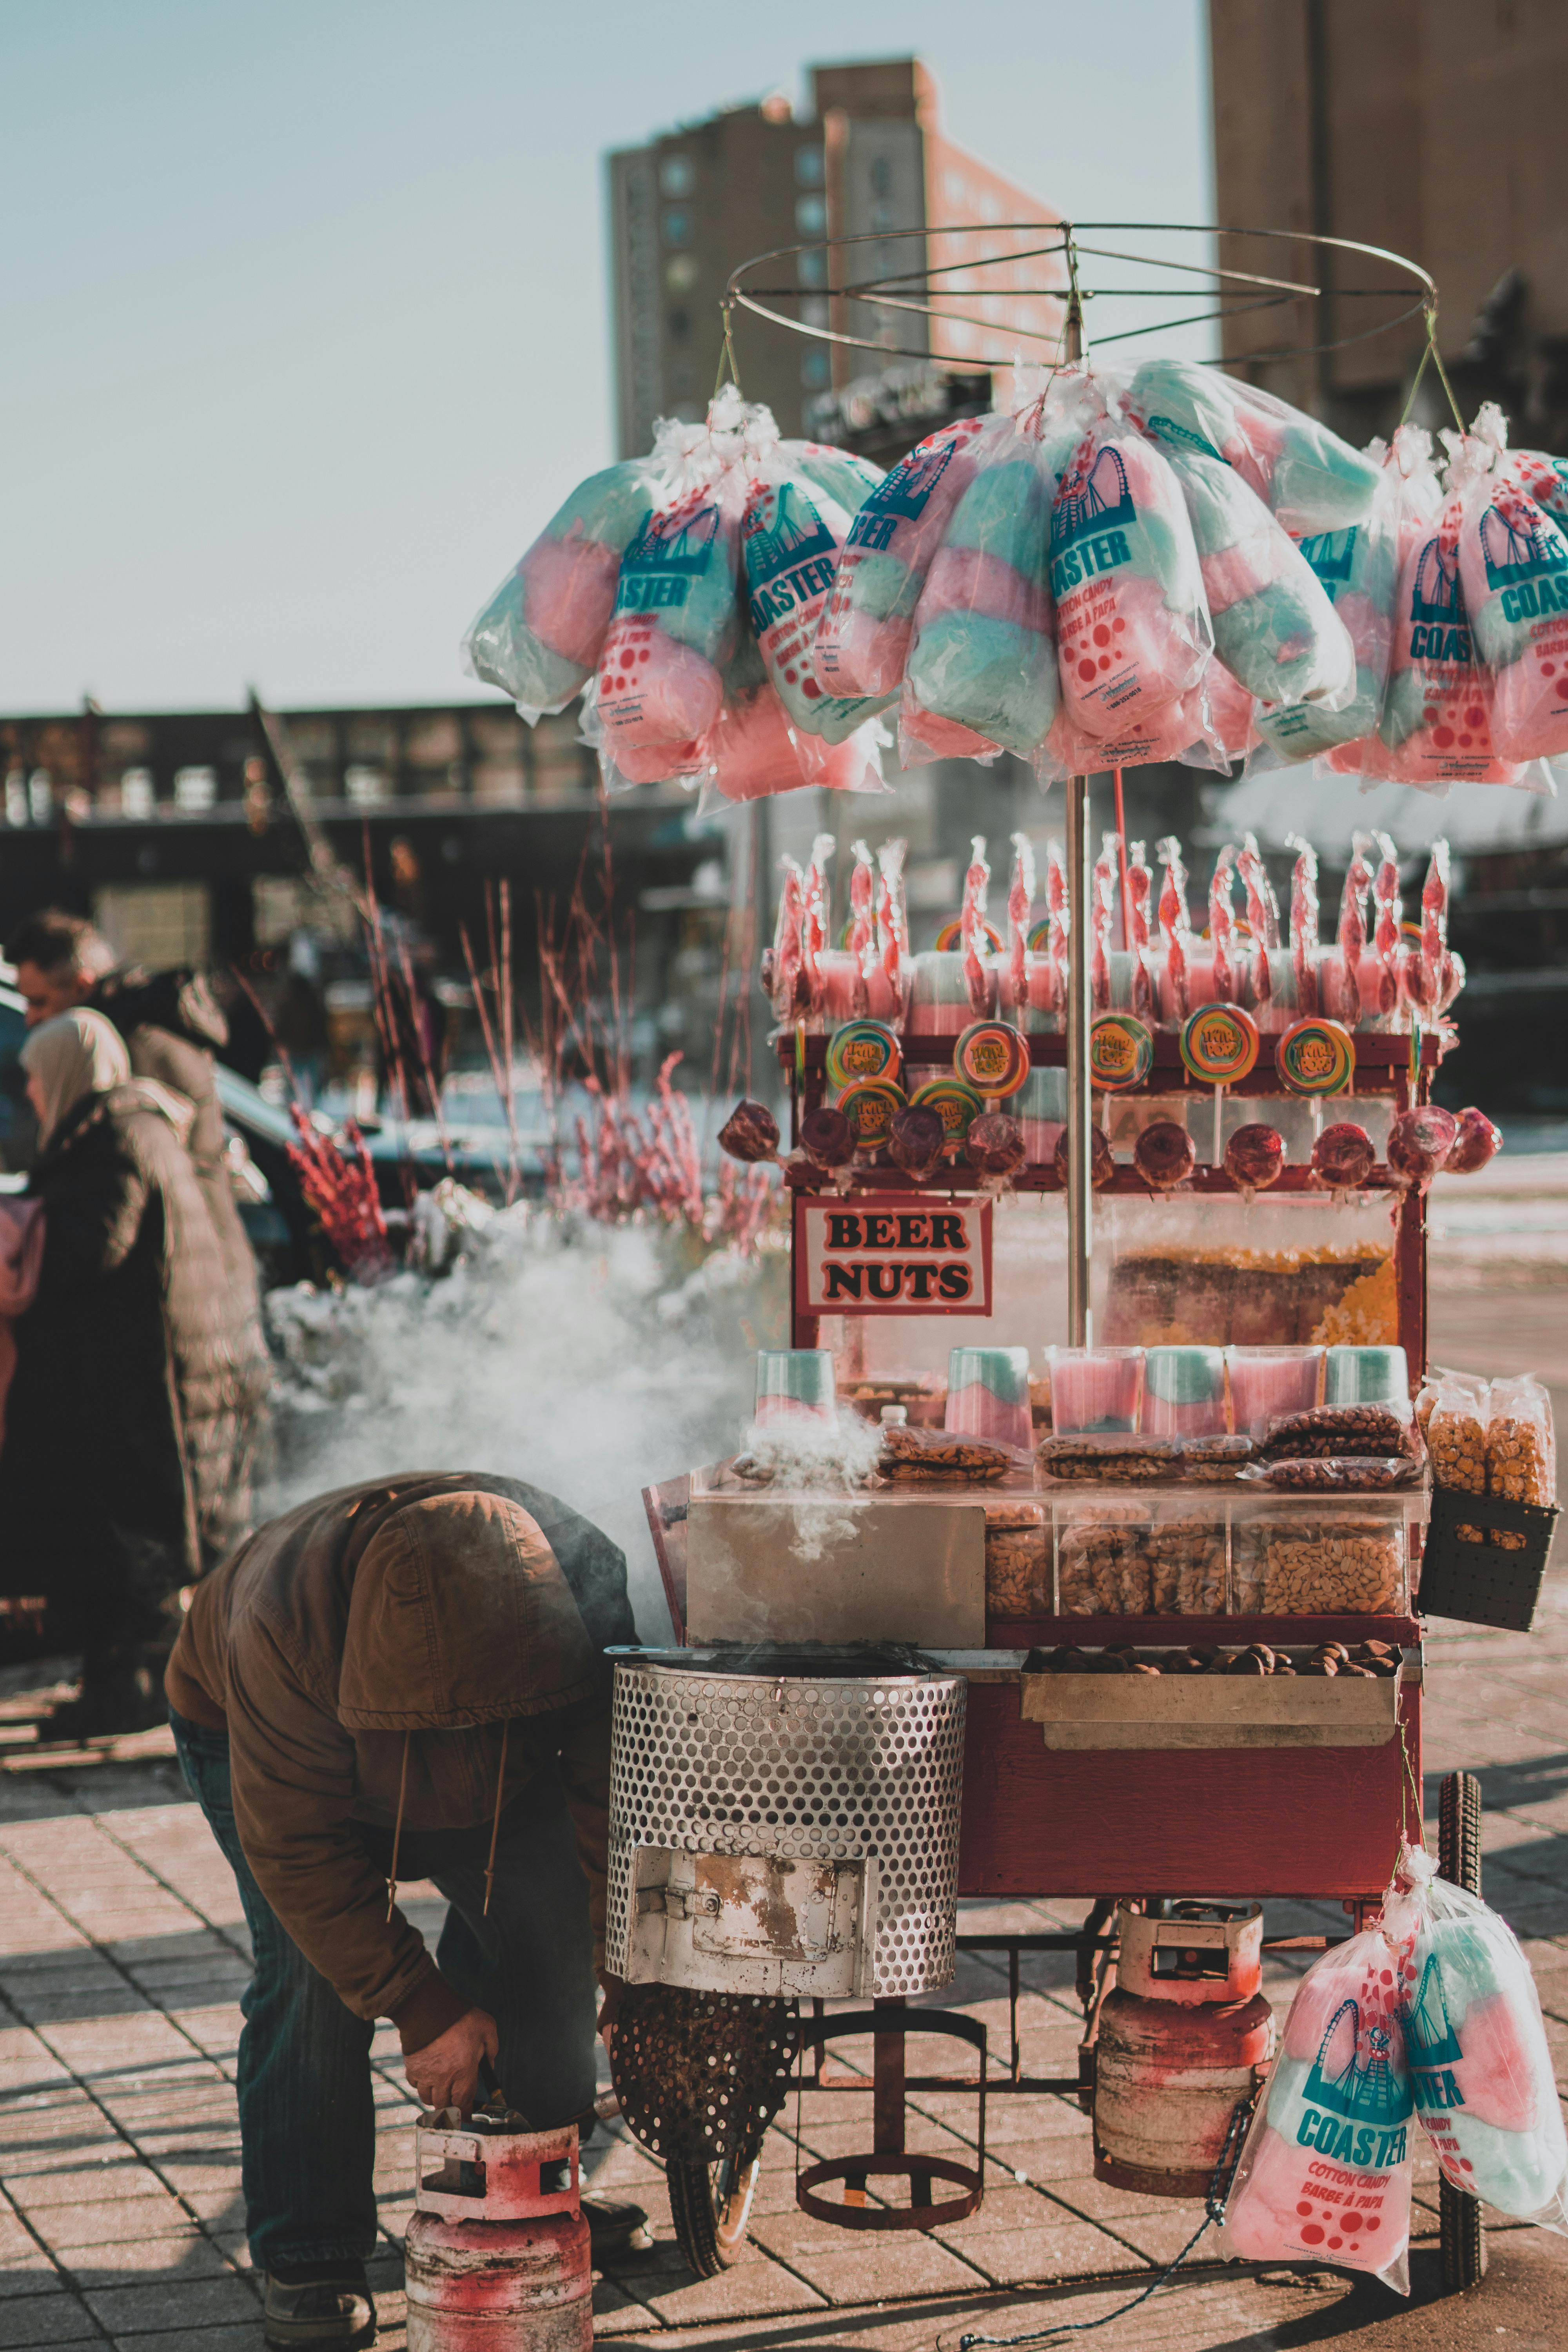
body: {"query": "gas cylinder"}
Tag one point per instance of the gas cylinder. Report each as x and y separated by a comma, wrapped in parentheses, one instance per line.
(496, 2255)
(1183, 2038)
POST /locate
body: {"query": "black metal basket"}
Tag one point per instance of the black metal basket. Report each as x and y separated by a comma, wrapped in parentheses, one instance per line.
(1482, 1585)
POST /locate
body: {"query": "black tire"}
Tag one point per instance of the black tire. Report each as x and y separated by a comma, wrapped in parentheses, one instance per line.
(710, 2206)
(1464, 2240)
(1459, 1832)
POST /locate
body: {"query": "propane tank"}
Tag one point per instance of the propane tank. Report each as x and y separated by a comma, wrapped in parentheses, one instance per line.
(497, 2253)
(1184, 2036)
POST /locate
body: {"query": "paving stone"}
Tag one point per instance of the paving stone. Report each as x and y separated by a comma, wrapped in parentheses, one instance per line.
(45, 2319)
(184, 2254)
(172, 2302)
(114, 2222)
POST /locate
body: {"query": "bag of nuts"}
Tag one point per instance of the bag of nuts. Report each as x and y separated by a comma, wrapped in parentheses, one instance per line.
(1187, 1565)
(1521, 1452)
(1340, 1429)
(1102, 1561)
(1456, 1430)
(1017, 1560)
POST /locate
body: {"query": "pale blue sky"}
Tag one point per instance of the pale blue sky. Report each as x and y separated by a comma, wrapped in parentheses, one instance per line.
(305, 305)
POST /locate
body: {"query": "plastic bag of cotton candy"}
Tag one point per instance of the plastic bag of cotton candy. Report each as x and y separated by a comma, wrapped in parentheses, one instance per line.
(1324, 2175)
(1513, 568)
(1480, 2065)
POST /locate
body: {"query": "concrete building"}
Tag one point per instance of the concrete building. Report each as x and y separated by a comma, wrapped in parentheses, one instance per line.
(1431, 127)
(868, 162)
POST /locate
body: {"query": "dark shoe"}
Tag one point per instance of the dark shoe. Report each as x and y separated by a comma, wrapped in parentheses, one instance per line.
(616, 2228)
(334, 2312)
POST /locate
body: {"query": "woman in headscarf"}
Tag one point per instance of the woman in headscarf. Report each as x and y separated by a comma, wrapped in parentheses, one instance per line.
(123, 1421)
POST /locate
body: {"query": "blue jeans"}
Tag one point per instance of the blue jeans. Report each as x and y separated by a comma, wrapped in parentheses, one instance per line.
(307, 2120)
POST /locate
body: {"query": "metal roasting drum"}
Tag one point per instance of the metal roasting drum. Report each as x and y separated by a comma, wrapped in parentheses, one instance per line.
(785, 1833)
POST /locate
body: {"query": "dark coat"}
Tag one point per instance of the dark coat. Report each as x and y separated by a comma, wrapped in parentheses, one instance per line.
(126, 1415)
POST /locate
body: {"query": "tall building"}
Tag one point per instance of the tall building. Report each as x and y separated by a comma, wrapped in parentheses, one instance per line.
(869, 163)
(1430, 127)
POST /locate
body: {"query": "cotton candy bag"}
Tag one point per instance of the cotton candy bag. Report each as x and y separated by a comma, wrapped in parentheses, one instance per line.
(1308, 478)
(846, 479)
(1513, 564)
(1132, 627)
(863, 637)
(983, 652)
(1324, 2175)
(539, 636)
(790, 535)
(1480, 2064)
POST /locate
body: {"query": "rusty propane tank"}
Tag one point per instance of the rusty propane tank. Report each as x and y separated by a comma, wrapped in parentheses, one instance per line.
(497, 2254)
(1182, 2039)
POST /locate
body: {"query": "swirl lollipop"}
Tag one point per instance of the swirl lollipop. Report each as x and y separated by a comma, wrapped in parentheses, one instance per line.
(1253, 1158)
(1476, 1142)
(915, 1141)
(1342, 1156)
(750, 1133)
(1101, 1166)
(1164, 1154)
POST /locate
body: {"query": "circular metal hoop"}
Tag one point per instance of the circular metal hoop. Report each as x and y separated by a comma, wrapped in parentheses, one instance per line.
(926, 291)
(856, 2170)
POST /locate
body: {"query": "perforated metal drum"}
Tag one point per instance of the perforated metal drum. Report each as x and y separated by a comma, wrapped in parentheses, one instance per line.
(784, 1833)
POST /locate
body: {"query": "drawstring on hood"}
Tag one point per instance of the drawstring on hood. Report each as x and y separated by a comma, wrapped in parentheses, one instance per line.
(495, 1825)
(397, 1826)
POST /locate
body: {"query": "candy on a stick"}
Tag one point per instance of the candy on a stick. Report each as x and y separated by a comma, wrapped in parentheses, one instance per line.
(1305, 476)
(1343, 1156)
(790, 541)
(993, 1146)
(870, 1106)
(915, 1140)
(815, 922)
(1254, 1159)
(751, 1133)
(1225, 980)
(539, 636)
(1176, 930)
(783, 977)
(1134, 634)
(1164, 1155)
(1140, 882)
(1344, 973)
(1020, 898)
(1102, 917)
(1059, 913)
(1419, 1141)
(863, 636)
(1102, 1163)
(863, 1049)
(827, 1139)
(862, 940)
(1514, 567)
(1304, 922)
(1263, 921)
(973, 927)
(1476, 1141)
(984, 651)
(1273, 628)
(1380, 974)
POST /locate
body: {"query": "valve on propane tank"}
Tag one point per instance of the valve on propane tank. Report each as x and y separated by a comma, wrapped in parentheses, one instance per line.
(497, 2252)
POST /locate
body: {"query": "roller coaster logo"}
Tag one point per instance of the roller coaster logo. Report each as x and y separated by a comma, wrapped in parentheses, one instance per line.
(673, 548)
(790, 557)
(1431, 2044)
(1440, 626)
(1362, 2088)
(1332, 554)
(1091, 521)
(902, 498)
(1526, 558)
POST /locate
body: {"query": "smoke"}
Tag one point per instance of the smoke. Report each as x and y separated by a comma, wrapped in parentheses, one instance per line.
(591, 1359)
(819, 1464)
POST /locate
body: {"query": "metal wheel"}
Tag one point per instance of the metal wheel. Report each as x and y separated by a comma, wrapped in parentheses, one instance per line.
(710, 2206)
(1464, 2241)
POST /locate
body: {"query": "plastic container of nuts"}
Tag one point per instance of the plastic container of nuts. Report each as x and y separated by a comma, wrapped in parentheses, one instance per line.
(1320, 1559)
(1187, 1550)
(1018, 1559)
(1103, 1556)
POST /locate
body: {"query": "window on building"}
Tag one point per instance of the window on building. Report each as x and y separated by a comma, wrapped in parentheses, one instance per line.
(811, 268)
(817, 370)
(680, 274)
(365, 785)
(40, 795)
(136, 794)
(16, 797)
(809, 167)
(810, 216)
(155, 923)
(678, 225)
(676, 175)
(195, 790)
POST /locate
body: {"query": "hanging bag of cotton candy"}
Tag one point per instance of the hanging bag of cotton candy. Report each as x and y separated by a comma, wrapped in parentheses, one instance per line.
(1307, 476)
(984, 651)
(1481, 2064)
(1513, 565)
(791, 535)
(1324, 2175)
(539, 636)
(863, 637)
(755, 750)
(846, 479)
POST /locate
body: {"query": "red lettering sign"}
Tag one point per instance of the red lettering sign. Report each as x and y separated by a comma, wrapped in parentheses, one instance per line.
(870, 1254)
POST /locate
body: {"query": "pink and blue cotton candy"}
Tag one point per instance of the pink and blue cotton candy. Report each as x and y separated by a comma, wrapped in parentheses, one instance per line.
(539, 636)
(1308, 478)
(984, 651)
(677, 623)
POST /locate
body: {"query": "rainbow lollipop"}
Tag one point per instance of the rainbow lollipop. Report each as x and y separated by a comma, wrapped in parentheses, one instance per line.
(862, 1049)
(1316, 1056)
(956, 1105)
(1121, 1052)
(868, 1105)
(992, 1057)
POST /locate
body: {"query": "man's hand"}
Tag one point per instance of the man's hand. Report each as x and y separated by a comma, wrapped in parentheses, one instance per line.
(446, 2073)
(612, 1988)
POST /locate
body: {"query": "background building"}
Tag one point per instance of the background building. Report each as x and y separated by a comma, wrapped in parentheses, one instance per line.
(868, 162)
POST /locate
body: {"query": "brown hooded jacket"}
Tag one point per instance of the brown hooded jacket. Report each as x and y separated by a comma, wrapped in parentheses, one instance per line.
(365, 1654)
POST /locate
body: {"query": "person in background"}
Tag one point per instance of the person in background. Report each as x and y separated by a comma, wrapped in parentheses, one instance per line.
(125, 1417)
(172, 1026)
(403, 1679)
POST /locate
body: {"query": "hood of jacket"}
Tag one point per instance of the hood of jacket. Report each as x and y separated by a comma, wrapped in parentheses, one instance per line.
(180, 1001)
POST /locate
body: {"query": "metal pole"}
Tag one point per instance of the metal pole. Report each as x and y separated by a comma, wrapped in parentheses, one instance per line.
(1080, 880)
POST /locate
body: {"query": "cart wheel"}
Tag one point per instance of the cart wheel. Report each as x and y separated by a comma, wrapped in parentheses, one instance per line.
(710, 2205)
(1464, 2241)
(1459, 1832)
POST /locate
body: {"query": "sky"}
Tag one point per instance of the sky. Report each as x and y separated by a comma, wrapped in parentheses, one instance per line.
(306, 307)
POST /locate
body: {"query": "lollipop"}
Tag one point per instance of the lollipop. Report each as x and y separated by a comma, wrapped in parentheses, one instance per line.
(1476, 1142)
(862, 1049)
(1315, 1056)
(752, 1133)
(915, 1141)
(1253, 1158)
(827, 1139)
(995, 1144)
(1419, 1143)
(993, 1058)
(1164, 1154)
(1342, 1156)
(1121, 1052)
(868, 1105)
(1219, 1043)
(956, 1105)
(1102, 1166)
